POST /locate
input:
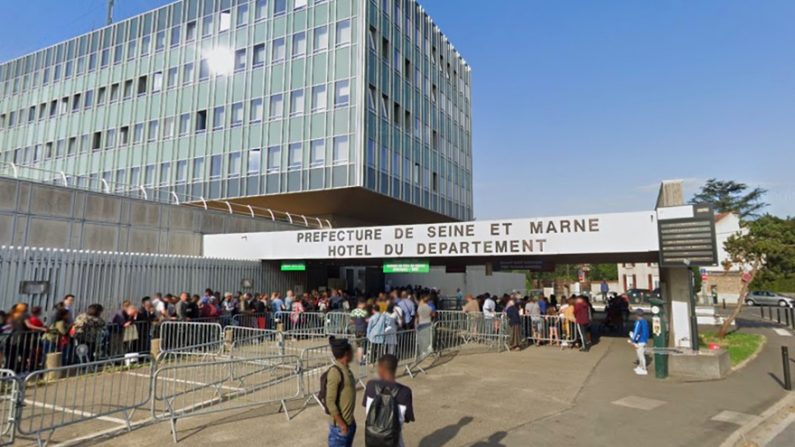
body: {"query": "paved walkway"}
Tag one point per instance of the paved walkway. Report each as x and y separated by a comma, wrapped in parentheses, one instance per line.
(541, 396)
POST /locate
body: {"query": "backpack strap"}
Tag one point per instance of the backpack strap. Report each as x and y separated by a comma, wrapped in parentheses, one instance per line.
(341, 385)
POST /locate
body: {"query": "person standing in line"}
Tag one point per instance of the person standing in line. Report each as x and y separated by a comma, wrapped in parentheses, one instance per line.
(604, 288)
(459, 299)
(515, 325)
(182, 307)
(582, 315)
(340, 398)
(385, 396)
(638, 338)
(536, 322)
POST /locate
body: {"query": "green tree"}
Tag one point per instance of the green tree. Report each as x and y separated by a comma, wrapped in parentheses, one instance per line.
(767, 245)
(728, 196)
(607, 272)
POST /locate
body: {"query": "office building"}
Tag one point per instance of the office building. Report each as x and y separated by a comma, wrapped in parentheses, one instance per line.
(353, 110)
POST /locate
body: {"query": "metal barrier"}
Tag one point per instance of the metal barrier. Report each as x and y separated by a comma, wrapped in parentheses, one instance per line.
(250, 342)
(57, 397)
(9, 400)
(185, 390)
(550, 329)
(254, 320)
(781, 315)
(338, 324)
(456, 329)
(302, 322)
(189, 336)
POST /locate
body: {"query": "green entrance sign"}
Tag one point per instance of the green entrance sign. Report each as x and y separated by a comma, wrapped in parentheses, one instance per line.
(294, 266)
(406, 267)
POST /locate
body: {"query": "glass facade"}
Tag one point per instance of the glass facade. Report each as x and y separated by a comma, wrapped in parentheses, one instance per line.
(236, 98)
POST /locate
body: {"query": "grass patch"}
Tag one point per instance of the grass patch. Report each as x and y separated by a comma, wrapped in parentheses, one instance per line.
(740, 345)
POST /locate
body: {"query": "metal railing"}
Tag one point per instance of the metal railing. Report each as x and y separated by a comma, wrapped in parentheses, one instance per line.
(9, 400)
(185, 390)
(549, 329)
(166, 194)
(58, 397)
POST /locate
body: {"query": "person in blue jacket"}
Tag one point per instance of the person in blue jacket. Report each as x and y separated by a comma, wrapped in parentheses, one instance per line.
(638, 338)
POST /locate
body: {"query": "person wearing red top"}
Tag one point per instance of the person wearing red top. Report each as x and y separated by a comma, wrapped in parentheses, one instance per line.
(582, 316)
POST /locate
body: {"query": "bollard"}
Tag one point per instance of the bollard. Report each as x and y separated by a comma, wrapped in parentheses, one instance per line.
(724, 304)
(778, 315)
(53, 361)
(786, 317)
(785, 363)
(154, 347)
(762, 312)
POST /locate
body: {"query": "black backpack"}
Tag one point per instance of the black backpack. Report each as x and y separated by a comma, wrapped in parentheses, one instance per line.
(383, 419)
(321, 395)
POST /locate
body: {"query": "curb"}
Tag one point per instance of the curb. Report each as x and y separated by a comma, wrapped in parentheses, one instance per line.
(767, 419)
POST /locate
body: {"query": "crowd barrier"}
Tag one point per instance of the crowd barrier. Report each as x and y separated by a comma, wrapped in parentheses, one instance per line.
(58, 397)
(205, 367)
(185, 390)
(9, 398)
(550, 329)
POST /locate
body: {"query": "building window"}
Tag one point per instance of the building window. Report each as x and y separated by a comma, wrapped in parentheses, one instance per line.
(317, 153)
(157, 81)
(237, 114)
(254, 161)
(201, 121)
(320, 39)
(215, 166)
(277, 106)
(207, 26)
(175, 36)
(138, 133)
(258, 58)
(371, 94)
(141, 85)
(184, 124)
(242, 15)
(240, 59)
(296, 102)
(198, 169)
(153, 127)
(190, 31)
(234, 165)
(124, 135)
(182, 172)
(274, 159)
(256, 110)
(168, 127)
(299, 4)
(278, 50)
(339, 154)
(279, 7)
(225, 21)
(343, 36)
(204, 70)
(260, 9)
(299, 44)
(171, 78)
(218, 117)
(319, 98)
(187, 73)
(342, 93)
(294, 154)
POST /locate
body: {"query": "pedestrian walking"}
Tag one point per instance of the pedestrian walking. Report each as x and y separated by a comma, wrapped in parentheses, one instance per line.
(338, 395)
(388, 406)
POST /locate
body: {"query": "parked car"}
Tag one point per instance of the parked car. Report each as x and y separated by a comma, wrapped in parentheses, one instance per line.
(765, 298)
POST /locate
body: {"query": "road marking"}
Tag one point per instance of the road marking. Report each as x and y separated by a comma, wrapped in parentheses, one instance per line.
(734, 417)
(640, 403)
(186, 382)
(782, 332)
(84, 414)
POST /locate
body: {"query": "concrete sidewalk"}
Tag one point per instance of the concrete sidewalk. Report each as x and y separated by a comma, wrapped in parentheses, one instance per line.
(540, 396)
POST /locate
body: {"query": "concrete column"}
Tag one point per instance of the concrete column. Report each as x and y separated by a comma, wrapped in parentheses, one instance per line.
(676, 281)
(53, 361)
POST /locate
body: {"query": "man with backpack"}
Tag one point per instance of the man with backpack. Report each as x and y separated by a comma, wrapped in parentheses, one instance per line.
(338, 395)
(388, 405)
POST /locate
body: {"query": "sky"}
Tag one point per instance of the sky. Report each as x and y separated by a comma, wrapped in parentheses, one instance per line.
(584, 106)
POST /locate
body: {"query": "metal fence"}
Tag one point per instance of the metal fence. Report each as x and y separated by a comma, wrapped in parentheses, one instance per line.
(9, 399)
(184, 390)
(58, 397)
(549, 329)
(108, 277)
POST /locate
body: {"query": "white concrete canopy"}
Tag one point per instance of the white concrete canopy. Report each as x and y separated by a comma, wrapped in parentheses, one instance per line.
(546, 237)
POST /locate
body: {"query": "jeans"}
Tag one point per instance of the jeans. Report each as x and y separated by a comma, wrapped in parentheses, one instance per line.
(336, 439)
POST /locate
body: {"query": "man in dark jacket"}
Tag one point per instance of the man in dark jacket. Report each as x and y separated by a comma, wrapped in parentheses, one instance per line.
(515, 324)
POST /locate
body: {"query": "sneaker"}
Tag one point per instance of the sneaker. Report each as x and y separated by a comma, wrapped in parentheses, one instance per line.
(640, 372)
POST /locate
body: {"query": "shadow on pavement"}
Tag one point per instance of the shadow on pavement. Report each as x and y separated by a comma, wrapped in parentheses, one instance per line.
(447, 433)
(493, 440)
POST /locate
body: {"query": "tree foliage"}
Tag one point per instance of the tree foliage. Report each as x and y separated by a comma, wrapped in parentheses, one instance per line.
(767, 245)
(728, 196)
